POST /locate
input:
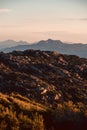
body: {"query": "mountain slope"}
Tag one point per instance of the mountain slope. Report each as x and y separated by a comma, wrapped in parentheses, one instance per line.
(11, 43)
(51, 45)
(46, 71)
(51, 84)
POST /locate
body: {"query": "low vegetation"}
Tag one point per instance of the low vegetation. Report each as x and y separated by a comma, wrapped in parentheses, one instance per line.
(42, 90)
(19, 113)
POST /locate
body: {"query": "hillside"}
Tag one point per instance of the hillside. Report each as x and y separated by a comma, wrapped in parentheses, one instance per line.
(42, 90)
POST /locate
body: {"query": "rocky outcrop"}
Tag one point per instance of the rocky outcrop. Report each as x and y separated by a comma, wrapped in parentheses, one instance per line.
(44, 76)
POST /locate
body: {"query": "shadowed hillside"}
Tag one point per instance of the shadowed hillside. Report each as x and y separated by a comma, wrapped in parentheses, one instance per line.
(42, 90)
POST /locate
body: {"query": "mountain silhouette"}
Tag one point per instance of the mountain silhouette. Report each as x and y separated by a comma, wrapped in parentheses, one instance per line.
(51, 45)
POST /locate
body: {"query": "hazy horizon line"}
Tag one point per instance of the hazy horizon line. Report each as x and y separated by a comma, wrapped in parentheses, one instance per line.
(66, 42)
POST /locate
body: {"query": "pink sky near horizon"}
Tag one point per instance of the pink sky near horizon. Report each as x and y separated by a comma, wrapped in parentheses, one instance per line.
(64, 20)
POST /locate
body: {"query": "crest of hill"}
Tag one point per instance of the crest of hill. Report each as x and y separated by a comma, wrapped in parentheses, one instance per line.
(42, 90)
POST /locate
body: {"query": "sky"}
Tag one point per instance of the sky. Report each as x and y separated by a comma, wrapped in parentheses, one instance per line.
(34, 20)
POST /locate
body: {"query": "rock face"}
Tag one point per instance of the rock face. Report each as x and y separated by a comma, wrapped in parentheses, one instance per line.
(44, 76)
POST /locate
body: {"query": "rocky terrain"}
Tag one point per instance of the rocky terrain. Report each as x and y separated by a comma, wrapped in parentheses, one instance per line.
(55, 81)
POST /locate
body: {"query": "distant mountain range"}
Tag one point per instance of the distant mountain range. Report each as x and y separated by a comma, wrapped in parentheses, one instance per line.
(50, 45)
(11, 43)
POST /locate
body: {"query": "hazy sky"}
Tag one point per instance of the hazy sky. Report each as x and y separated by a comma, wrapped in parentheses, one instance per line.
(33, 20)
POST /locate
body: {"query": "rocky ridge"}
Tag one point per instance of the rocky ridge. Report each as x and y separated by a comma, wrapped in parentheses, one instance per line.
(44, 76)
